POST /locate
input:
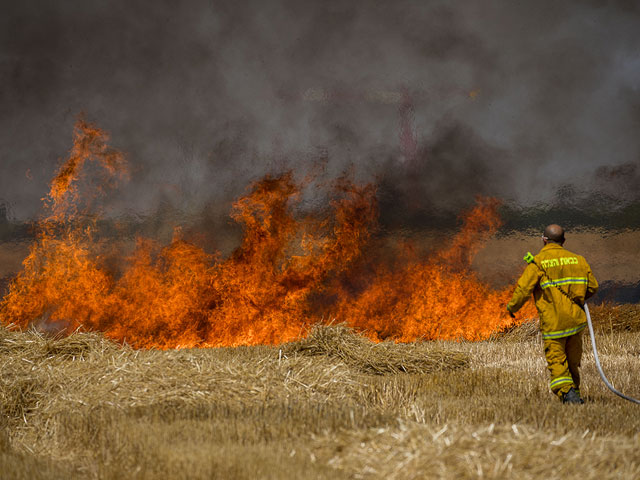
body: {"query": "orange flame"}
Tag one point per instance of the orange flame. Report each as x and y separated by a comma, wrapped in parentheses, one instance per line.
(287, 273)
(90, 143)
(436, 298)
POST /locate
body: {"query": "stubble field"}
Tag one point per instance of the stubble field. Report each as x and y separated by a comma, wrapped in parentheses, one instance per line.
(332, 406)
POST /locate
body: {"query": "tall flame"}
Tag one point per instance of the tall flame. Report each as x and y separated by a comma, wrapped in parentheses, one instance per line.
(289, 271)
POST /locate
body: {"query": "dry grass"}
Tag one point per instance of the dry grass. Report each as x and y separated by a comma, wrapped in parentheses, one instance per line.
(616, 318)
(607, 318)
(331, 406)
(339, 341)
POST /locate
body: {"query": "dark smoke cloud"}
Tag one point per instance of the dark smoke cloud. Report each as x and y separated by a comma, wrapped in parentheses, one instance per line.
(513, 99)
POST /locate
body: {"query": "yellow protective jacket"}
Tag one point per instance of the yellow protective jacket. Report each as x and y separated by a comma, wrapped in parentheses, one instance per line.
(555, 268)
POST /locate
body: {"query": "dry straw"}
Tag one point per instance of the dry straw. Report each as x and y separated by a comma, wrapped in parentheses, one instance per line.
(527, 331)
(35, 344)
(41, 375)
(606, 319)
(616, 318)
(331, 406)
(342, 342)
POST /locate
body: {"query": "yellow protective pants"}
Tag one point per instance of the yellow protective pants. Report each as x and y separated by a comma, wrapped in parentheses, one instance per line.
(563, 361)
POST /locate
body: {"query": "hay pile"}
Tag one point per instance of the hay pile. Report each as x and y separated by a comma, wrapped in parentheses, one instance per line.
(340, 341)
(527, 331)
(32, 366)
(35, 345)
(57, 395)
(43, 377)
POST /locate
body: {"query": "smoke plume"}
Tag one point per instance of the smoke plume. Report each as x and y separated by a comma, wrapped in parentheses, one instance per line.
(436, 101)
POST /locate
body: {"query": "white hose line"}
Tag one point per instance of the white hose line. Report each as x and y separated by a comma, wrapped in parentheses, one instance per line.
(595, 355)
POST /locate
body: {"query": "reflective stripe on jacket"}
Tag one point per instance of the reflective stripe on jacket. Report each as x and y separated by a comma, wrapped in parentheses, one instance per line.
(556, 268)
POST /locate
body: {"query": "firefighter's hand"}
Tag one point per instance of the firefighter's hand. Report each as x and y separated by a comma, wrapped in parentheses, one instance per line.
(510, 313)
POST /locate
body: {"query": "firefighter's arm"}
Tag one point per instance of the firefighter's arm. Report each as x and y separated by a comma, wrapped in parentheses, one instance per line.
(524, 288)
(592, 284)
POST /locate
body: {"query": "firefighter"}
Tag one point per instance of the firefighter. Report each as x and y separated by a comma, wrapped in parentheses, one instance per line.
(560, 281)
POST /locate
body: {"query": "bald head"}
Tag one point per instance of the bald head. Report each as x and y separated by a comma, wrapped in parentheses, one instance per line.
(554, 233)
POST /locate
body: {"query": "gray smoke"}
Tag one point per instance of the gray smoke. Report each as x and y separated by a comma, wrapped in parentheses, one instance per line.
(506, 98)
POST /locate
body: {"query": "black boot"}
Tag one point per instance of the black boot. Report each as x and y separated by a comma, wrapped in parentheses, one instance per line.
(572, 397)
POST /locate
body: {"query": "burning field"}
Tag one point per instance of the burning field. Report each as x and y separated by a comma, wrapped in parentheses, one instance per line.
(285, 248)
(340, 353)
(293, 269)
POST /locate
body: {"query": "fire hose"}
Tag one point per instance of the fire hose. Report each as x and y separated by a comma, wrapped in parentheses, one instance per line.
(595, 355)
(529, 259)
